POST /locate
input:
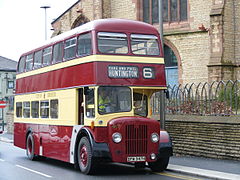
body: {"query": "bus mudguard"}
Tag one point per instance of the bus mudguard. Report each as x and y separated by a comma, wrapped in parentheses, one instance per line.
(165, 145)
(100, 150)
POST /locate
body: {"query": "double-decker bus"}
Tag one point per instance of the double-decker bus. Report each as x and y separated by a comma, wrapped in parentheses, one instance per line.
(84, 97)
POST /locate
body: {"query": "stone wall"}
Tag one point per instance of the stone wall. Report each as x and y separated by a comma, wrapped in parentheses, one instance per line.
(9, 121)
(193, 48)
(205, 136)
(192, 41)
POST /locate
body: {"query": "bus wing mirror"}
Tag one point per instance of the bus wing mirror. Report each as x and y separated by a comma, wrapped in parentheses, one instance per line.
(167, 94)
(86, 90)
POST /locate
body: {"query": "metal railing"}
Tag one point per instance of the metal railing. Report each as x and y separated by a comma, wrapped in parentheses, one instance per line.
(216, 98)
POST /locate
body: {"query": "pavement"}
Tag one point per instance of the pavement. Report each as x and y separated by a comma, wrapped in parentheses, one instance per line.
(196, 166)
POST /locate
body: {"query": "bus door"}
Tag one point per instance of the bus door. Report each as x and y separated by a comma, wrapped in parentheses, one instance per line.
(89, 102)
(80, 107)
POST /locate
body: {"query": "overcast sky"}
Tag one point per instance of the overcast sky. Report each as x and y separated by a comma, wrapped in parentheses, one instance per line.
(22, 24)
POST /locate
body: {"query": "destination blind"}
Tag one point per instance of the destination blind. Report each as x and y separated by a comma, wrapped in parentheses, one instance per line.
(129, 72)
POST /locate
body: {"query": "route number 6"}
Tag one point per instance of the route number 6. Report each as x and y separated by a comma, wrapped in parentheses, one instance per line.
(148, 73)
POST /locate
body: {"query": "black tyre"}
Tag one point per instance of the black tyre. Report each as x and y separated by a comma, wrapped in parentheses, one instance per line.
(85, 159)
(160, 165)
(30, 148)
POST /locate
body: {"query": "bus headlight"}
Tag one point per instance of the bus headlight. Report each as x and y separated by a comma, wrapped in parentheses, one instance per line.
(117, 137)
(155, 137)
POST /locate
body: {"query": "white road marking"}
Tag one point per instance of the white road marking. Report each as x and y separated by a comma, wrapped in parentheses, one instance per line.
(203, 172)
(2, 160)
(33, 171)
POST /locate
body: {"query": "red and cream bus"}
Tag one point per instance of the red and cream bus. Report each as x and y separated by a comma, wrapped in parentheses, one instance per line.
(84, 97)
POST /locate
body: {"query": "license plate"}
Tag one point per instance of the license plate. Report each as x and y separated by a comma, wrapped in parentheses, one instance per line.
(136, 158)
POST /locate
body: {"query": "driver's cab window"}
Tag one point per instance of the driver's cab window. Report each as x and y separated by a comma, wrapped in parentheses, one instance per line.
(114, 99)
(140, 104)
(89, 99)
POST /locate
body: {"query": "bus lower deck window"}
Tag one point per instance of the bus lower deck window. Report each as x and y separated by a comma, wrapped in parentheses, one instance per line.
(19, 109)
(26, 109)
(54, 108)
(44, 109)
(35, 109)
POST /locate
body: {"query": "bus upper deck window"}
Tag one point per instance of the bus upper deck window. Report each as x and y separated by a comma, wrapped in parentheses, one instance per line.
(84, 45)
(21, 65)
(112, 43)
(29, 62)
(57, 53)
(144, 44)
(37, 59)
(47, 55)
(70, 48)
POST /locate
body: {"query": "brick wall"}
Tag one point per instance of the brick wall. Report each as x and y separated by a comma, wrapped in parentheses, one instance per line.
(193, 49)
(193, 44)
(205, 136)
(96, 9)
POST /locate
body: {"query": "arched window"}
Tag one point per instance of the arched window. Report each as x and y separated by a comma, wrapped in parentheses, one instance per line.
(79, 21)
(170, 58)
(173, 11)
(171, 66)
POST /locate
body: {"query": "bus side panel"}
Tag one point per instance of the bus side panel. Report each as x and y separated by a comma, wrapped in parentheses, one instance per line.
(61, 78)
(56, 141)
(20, 135)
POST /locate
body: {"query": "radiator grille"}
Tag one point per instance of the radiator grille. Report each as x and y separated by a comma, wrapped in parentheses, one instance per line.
(136, 139)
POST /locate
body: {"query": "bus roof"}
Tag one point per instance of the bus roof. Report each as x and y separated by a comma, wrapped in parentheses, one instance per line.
(112, 25)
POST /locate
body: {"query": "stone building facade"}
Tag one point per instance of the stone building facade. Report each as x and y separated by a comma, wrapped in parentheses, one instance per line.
(8, 69)
(204, 44)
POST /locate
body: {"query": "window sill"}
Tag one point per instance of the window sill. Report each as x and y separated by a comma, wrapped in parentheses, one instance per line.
(175, 26)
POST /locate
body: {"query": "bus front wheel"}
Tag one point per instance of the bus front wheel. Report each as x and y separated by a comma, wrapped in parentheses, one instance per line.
(85, 159)
(30, 147)
(160, 165)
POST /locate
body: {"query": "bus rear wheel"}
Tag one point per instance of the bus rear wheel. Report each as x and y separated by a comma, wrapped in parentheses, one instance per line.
(30, 147)
(160, 165)
(85, 159)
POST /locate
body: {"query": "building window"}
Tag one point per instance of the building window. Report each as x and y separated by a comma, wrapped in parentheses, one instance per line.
(170, 58)
(10, 84)
(35, 109)
(173, 11)
(54, 108)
